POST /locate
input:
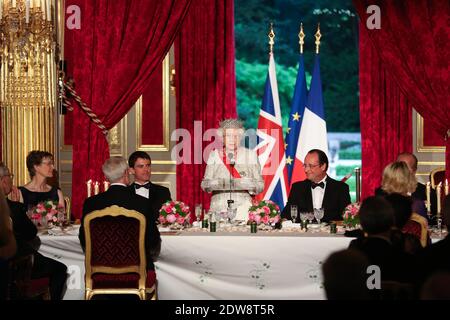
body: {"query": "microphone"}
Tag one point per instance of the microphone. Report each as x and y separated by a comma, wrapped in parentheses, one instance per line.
(232, 163)
(231, 157)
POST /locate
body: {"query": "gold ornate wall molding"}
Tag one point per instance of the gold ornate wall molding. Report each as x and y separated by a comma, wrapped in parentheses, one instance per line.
(28, 78)
(420, 147)
(165, 114)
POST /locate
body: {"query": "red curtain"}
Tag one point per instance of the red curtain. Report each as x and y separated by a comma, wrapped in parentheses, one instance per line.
(413, 45)
(385, 115)
(205, 84)
(119, 45)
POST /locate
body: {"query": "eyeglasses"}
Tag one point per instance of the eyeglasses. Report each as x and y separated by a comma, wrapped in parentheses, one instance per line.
(48, 163)
(310, 166)
(9, 175)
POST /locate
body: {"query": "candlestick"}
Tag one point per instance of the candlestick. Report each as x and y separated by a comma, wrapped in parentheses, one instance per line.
(438, 194)
(105, 185)
(96, 188)
(428, 188)
(446, 187)
(49, 7)
(27, 11)
(43, 9)
(89, 188)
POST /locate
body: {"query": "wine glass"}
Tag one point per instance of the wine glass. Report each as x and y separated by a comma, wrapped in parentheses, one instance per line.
(294, 213)
(198, 212)
(231, 214)
(61, 216)
(310, 217)
(318, 214)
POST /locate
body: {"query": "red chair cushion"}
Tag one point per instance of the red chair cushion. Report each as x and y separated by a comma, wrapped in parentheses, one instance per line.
(38, 286)
(121, 281)
(115, 241)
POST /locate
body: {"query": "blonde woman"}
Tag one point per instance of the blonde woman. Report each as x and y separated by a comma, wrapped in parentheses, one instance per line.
(397, 178)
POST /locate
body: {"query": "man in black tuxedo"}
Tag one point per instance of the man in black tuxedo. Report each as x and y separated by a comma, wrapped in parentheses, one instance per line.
(318, 190)
(28, 242)
(420, 192)
(115, 170)
(140, 166)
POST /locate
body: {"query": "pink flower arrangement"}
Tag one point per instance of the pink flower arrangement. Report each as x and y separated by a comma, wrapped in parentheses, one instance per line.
(48, 209)
(265, 211)
(351, 214)
(174, 212)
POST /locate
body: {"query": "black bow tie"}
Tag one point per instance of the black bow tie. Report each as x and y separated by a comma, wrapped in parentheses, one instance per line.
(314, 185)
(146, 186)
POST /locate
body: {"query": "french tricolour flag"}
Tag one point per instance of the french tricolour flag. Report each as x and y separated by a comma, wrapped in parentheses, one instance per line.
(313, 132)
(270, 146)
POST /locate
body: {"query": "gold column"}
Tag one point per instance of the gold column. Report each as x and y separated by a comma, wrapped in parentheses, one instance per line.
(28, 82)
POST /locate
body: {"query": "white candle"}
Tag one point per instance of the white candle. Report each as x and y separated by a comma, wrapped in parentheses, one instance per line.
(428, 188)
(446, 187)
(49, 7)
(105, 185)
(96, 188)
(438, 194)
(1, 10)
(43, 8)
(27, 11)
(89, 188)
(13, 3)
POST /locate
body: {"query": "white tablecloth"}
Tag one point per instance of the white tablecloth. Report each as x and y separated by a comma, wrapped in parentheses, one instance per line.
(222, 265)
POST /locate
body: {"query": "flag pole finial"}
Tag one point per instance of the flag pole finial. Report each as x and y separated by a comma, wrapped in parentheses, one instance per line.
(301, 37)
(271, 36)
(318, 35)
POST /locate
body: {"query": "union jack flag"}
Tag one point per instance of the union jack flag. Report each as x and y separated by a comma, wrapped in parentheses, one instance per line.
(270, 147)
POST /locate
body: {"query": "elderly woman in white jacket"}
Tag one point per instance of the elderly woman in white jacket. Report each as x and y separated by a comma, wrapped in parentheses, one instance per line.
(232, 172)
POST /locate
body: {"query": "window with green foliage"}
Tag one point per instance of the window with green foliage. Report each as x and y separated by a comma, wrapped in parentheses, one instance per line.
(338, 62)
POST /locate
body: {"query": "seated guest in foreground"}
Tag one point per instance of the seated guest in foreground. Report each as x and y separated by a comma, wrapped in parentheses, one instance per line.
(397, 178)
(318, 190)
(40, 167)
(413, 234)
(377, 219)
(7, 245)
(345, 276)
(26, 236)
(236, 163)
(436, 256)
(140, 166)
(115, 170)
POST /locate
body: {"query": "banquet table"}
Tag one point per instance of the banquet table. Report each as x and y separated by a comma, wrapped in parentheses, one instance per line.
(236, 265)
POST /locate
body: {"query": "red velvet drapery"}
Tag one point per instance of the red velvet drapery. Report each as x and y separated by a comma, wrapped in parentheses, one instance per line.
(385, 114)
(119, 45)
(205, 83)
(413, 45)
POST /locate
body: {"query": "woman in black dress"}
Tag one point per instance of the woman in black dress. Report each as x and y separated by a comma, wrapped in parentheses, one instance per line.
(40, 167)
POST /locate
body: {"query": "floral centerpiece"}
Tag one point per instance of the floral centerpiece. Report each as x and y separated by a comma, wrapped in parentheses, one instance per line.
(174, 212)
(265, 211)
(45, 212)
(351, 215)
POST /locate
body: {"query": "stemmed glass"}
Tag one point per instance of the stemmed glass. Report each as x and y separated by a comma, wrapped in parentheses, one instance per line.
(198, 212)
(318, 214)
(231, 214)
(310, 216)
(303, 218)
(294, 213)
(61, 217)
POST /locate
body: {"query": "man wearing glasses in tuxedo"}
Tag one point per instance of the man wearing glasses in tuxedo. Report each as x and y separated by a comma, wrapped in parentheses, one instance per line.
(140, 166)
(318, 190)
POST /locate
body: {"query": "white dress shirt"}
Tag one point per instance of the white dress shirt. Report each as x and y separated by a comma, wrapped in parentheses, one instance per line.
(318, 193)
(143, 192)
